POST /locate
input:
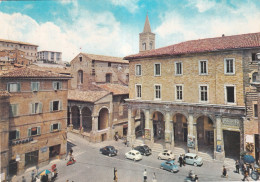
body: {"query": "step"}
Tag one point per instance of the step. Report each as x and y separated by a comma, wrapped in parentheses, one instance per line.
(205, 156)
(157, 147)
(138, 142)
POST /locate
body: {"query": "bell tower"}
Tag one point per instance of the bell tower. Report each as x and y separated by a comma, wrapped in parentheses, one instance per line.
(146, 38)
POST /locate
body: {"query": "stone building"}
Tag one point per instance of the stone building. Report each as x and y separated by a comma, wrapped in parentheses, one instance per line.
(11, 57)
(37, 117)
(29, 49)
(194, 92)
(4, 133)
(96, 100)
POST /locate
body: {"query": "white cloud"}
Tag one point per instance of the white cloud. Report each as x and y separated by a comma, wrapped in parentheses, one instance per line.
(203, 5)
(177, 28)
(130, 5)
(97, 34)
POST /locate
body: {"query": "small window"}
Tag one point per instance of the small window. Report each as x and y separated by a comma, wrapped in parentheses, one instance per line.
(35, 86)
(229, 66)
(254, 58)
(138, 70)
(80, 59)
(178, 68)
(14, 135)
(55, 127)
(255, 110)
(178, 92)
(57, 85)
(157, 91)
(109, 65)
(138, 91)
(203, 69)
(36, 108)
(157, 69)
(55, 106)
(151, 45)
(13, 87)
(13, 110)
(230, 94)
(80, 76)
(144, 46)
(108, 78)
(254, 77)
(203, 93)
(34, 131)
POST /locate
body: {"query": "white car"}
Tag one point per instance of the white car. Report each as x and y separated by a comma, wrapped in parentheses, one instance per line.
(133, 155)
(166, 155)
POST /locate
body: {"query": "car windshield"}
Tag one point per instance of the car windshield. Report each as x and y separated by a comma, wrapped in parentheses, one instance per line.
(111, 148)
(137, 153)
(146, 147)
(196, 157)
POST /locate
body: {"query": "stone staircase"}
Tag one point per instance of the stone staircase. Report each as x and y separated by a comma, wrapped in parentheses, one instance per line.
(157, 147)
(229, 162)
(138, 142)
(205, 156)
(177, 151)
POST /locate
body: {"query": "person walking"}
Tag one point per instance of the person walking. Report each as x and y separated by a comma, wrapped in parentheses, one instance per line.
(245, 176)
(154, 178)
(23, 179)
(224, 172)
(115, 175)
(32, 174)
(237, 166)
(180, 160)
(145, 175)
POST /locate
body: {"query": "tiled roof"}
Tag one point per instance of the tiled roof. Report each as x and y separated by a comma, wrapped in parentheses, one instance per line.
(87, 95)
(17, 42)
(250, 40)
(60, 70)
(4, 93)
(116, 89)
(32, 73)
(105, 58)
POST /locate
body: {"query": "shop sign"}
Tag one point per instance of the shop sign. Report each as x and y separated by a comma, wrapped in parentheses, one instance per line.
(191, 142)
(2, 177)
(44, 149)
(218, 148)
(250, 138)
(231, 122)
(147, 133)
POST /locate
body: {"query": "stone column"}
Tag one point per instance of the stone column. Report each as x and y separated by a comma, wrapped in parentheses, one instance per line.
(131, 127)
(169, 143)
(195, 135)
(71, 123)
(94, 123)
(190, 124)
(219, 153)
(148, 129)
(192, 134)
(80, 117)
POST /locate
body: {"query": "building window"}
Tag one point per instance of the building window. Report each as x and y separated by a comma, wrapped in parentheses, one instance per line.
(178, 95)
(157, 69)
(55, 127)
(80, 59)
(138, 91)
(157, 89)
(13, 110)
(204, 93)
(127, 77)
(55, 106)
(229, 66)
(203, 68)
(178, 68)
(35, 86)
(254, 77)
(144, 46)
(230, 94)
(254, 58)
(255, 110)
(108, 78)
(138, 70)
(109, 65)
(34, 131)
(14, 87)
(14, 135)
(80, 76)
(57, 85)
(151, 45)
(36, 108)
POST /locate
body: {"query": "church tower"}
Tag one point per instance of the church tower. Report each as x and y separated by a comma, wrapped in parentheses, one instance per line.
(146, 38)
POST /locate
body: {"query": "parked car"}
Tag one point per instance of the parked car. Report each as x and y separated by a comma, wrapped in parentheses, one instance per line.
(170, 166)
(193, 159)
(166, 155)
(133, 155)
(143, 149)
(108, 150)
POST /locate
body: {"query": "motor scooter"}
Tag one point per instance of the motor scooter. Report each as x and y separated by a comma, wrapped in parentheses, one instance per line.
(72, 161)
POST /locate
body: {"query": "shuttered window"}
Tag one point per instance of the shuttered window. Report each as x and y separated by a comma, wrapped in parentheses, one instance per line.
(35, 86)
(14, 87)
(13, 110)
(36, 108)
(34, 131)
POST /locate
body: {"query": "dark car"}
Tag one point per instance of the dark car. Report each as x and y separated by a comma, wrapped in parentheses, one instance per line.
(144, 149)
(108, 150)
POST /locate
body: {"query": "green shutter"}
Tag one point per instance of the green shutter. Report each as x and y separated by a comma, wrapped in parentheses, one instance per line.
(11, 111)
(54, 85)
(38, 130)
(60, 105)
(18, 87)
(40, 107)
(51, 106)
(59, 126)
(8, 87)
(32, 86)
(17, 134)
(51, 129)
(29, 132)
(38, 86)
(60, 85)
(33, 108)
(16, 110)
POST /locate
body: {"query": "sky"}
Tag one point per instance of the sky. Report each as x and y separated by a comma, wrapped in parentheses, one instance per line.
(112, 27)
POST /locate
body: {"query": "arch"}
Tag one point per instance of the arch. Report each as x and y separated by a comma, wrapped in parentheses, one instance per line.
(144, 46)
(103, 119)
(139, 130)
(86, 119)
(198, 115)
(151, 45)
(80, 76)
(180, 127)
(75, 117)
(158, 125)
(254, 76)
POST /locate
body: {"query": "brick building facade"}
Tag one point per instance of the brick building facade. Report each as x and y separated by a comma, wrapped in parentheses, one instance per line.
(37, 119)
(195, 92)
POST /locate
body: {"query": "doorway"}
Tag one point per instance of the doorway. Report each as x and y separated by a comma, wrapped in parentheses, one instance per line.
(31, 158)
(231, 144)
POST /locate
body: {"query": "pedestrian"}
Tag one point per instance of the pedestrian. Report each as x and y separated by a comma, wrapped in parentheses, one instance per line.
(237, 166)
(196, 178)
(23, 179)
(183, 161)
(115, 175)
(33, 173)
(180, 161)
(224, 172)
(245, 176)
(154, 178)
(243, 168)
(145, 175)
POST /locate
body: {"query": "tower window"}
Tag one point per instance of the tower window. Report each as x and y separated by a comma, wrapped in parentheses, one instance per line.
(144, 46)
(151, 45)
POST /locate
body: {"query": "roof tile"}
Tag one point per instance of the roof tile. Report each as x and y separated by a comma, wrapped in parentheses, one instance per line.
(116, 89)
(87, 95)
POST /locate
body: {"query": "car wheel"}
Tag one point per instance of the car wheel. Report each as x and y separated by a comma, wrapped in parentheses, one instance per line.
(195, 164)
(144, 154)
(134, 160)
(172, 171)
(169, 159)
(161, 167)
(254, 176)
(109, 155)
(159, 158)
